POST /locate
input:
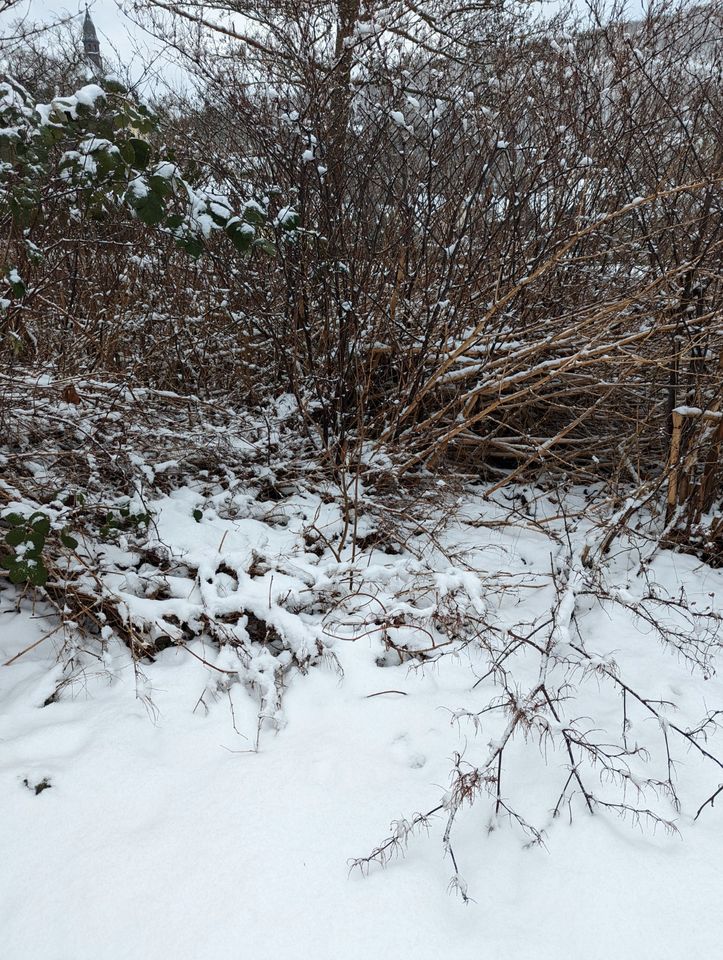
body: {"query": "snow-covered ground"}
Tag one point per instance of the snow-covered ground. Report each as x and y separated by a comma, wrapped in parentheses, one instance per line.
(175, 825)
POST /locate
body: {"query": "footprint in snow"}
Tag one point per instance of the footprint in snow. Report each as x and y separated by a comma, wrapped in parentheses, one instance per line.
(405, 752)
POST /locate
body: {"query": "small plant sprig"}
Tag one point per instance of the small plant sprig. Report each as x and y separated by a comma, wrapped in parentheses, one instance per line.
(120, 519)
(27, 537)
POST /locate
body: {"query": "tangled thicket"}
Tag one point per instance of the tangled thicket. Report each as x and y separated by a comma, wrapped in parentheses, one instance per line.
(505, 248)
(508, 252)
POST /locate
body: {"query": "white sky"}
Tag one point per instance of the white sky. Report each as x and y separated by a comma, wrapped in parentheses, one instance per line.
(115, 31)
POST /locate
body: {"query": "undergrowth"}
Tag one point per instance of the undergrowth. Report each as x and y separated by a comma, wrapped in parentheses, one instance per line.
(156, 520)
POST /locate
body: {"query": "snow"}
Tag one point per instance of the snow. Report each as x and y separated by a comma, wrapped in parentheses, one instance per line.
(89, 94)
(685, 411)
(138, 187)
(86, 96)
(177, 823)
(400, 120)
(286, 216)
(74, 162)
(167, 171)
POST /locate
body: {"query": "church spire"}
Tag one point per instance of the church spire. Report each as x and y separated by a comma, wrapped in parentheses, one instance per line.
(91, 47)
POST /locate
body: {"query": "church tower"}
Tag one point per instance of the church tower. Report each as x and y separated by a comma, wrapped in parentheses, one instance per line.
(91, 47)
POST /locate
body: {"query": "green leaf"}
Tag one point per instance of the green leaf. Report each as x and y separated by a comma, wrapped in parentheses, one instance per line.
(106, 160)
(14, 519)
(266, 245)
(191, 244)
(70, 542)
(16, 284)
(18, 572)
(20, 535)
(253, 215)
(149, 209)
(160, 186)
(128, 153)
(220, 219)
(241, 235)
(114, 86)
(28, 571)
(40, 523)
(289, 221)
(197, 515)
(38, 576)
(51, 133)
(141, 151)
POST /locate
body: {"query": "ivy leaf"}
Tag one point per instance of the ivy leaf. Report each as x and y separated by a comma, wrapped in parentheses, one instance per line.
(16, 536)
(38, 575)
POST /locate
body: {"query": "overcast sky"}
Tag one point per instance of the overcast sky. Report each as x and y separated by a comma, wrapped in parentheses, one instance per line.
(115, 31)
(110, 23)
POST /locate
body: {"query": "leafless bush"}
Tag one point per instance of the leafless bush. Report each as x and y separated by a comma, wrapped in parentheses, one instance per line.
(606, 767)
(509, 228)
